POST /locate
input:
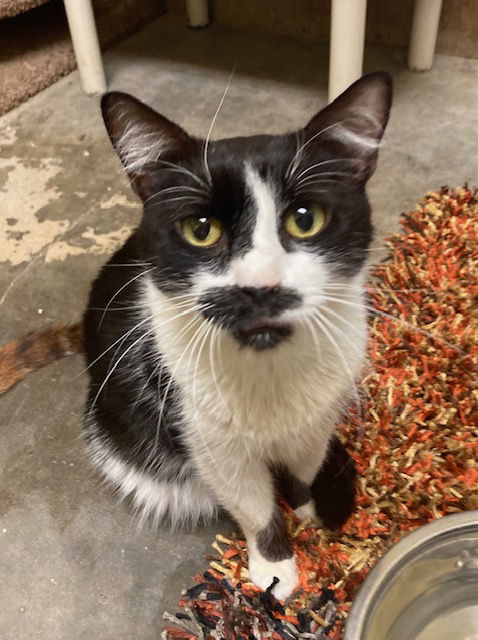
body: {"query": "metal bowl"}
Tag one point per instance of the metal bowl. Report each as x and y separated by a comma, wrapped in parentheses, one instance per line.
(424, 588)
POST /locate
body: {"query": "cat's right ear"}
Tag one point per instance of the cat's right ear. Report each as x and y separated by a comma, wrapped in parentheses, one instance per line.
(143, 139)
(353, 124)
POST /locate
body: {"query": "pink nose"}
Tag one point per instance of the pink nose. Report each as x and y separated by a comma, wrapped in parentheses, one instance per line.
(262, 276)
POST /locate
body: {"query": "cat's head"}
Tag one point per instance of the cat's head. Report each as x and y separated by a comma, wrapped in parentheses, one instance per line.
(256, 229)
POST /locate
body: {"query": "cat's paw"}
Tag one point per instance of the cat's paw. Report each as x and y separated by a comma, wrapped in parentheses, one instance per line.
(262, 573)
(307, 512)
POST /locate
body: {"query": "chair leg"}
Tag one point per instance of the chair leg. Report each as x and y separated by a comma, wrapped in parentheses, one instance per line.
(198, 13)
(346, 44)
(83, 33)
(424, 34)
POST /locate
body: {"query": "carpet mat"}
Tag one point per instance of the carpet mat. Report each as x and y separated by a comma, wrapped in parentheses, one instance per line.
(36, 47)
(414, 442)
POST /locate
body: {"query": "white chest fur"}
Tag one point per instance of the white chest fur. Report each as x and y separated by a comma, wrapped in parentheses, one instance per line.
(259, 399)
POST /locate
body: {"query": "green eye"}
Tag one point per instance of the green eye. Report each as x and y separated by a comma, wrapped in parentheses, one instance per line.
(304, 221)
(201, 231)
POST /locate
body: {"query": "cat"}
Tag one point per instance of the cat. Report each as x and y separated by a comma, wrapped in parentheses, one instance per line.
(224, 339)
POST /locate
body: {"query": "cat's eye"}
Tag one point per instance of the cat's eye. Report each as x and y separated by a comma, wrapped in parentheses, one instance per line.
(304, 221)
(201, 231)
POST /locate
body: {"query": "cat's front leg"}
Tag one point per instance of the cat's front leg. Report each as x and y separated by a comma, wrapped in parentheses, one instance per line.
(244, 487)
(321, 488)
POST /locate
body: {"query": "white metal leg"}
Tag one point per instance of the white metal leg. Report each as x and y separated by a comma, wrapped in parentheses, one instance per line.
(424, 34)
(83, 33)
(347, 37)
(198, 13)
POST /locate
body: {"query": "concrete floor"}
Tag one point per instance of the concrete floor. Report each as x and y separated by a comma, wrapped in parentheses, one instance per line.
(73, 565)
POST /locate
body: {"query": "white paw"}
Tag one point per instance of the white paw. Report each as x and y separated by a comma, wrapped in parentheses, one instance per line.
(262, 572)
(307, 512)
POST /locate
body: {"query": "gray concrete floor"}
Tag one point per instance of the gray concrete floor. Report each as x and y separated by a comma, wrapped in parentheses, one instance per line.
(72, 562)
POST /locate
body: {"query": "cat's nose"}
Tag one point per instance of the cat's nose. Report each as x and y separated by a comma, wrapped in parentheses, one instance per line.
(258, 271)
(262, 296)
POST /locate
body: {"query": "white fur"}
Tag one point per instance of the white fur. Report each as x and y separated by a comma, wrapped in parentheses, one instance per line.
(263, 265)
(262, 572)
(245, 409)
(352, 138)
(260, 398)
(307, 512)
(183, 503)
(140, 145)
(366, 123)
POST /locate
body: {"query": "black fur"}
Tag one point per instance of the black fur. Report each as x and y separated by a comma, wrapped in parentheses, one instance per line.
(248, 312)
(126, 392)
(127, 409)
(273, 542)
(334, 487)
(295, 492)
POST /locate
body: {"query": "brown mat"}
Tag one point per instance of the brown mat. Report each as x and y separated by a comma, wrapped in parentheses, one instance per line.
(9, 8)
(36, 49)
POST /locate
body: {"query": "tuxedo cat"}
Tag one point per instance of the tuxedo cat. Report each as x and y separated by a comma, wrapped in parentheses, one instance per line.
(225, 337)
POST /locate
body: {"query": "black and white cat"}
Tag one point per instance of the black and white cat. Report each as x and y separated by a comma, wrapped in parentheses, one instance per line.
(224, 338)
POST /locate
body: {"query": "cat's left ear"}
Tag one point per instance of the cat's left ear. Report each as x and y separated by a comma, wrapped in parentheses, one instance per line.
(353, 124)
(143, 139)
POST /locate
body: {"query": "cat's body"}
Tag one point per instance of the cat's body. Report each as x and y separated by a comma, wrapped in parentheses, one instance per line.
(229, 406)
(224, 338)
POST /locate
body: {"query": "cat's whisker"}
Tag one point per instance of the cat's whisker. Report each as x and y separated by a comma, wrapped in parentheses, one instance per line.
(178, 189)
(168, 386)
(213, 122)
(315, 136)
(125, 335)
(134, 307)
(208, 328)
(215, 336)
(320, 320)
(307, 185)
(171, 166)
(322, 177)
(130, 281)
(313, 333)
(156, 368)
(161, 361)
(294, 163)
(409, 326)
(185, 199)
(181, 296)
(320, 164)
(127, 264)
(192, 340)
(367, 288)
(184, 307)
(129, 308)
(306, 190)
(200, 193)
(140, 339)
(198, 307)
(341, 319)
(356, 391)
(225, 480)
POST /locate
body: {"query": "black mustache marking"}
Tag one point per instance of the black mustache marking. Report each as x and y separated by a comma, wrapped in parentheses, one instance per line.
(250, 313)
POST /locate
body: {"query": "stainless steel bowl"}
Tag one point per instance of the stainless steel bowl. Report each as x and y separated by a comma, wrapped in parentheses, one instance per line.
(424, 588)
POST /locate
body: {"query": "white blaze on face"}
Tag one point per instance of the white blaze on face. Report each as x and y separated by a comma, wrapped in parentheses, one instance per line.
(263, 264)
(266, 263)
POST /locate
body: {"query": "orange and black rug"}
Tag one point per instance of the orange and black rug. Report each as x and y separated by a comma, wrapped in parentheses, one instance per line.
(415, 442)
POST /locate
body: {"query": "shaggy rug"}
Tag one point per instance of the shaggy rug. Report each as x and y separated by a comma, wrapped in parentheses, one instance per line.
(414, 442)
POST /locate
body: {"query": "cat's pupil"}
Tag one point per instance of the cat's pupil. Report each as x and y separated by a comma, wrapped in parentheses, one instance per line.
(201, 229)
(304, 219)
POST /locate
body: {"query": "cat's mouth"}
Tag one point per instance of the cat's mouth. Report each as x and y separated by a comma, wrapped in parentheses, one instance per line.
(262, 334)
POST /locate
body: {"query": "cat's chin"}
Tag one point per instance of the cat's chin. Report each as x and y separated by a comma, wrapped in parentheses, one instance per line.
(262, 336)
